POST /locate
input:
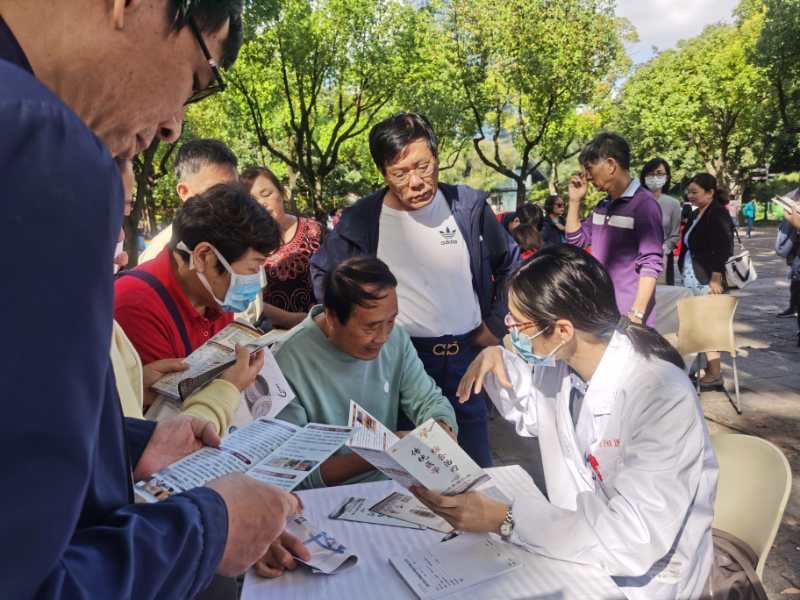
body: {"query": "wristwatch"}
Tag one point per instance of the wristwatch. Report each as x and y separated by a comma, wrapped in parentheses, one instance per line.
(636, 314)
(507, 526)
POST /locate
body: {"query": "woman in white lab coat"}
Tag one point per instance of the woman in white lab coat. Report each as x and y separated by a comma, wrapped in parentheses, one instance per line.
(631, 475)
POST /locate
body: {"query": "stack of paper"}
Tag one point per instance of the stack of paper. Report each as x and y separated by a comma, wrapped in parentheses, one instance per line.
(448, 567)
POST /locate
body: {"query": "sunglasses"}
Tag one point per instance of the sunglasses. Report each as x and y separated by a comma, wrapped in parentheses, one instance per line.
(216, 84)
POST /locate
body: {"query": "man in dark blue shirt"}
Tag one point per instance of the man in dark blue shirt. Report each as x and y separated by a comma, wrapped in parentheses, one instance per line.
(68, 524)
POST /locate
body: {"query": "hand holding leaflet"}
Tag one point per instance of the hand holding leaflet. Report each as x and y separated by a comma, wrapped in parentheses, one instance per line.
(427, 457)
(268, 450)
(209, 360)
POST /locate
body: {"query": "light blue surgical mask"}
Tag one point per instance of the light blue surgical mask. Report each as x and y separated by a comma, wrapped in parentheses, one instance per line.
(242, 290)
(523, 345)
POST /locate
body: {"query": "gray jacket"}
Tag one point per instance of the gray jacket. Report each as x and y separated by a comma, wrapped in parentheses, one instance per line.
(671, 221)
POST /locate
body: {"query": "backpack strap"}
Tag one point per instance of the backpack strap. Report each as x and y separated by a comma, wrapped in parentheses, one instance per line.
(169, 303)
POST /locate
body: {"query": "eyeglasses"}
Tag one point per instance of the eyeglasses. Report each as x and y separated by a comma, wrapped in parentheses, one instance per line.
(515, 326)
(423, 171)
(216, 84)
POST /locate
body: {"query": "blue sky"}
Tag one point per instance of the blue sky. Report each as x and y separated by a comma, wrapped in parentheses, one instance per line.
(662, 23)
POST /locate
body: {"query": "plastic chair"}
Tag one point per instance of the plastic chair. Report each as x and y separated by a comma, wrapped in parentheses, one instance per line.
(754, 484)
(705, 324)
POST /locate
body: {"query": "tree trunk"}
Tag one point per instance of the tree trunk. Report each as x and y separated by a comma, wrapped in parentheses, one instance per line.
(522, 192)
(316, 201)
(291, 183)
(552, 184)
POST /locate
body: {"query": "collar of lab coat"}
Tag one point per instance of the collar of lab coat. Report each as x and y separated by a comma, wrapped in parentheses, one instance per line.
(608, 380)
(604, 391)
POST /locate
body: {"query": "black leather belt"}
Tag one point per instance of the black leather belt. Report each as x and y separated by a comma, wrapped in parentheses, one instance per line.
(448, 345)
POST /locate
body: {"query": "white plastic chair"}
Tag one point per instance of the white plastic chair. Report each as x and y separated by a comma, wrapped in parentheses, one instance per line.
(705, 324)
(754, 484)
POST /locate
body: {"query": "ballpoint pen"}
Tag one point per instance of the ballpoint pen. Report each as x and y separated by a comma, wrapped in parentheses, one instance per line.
(592, 461)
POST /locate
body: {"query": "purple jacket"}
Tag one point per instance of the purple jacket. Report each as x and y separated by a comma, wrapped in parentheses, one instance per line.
(627, 238)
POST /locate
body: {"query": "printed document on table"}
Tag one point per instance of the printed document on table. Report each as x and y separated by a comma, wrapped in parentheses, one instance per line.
(357, 510)
(328, 555)
(271, 451)
(407, 508)
(448, 567)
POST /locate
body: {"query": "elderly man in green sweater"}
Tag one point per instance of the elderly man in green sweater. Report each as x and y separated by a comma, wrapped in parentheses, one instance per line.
(349, 348)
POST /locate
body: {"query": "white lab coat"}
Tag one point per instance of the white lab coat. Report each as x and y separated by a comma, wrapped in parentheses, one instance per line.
(642, 420)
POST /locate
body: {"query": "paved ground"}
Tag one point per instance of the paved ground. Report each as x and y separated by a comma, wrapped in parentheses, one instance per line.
(770, 395)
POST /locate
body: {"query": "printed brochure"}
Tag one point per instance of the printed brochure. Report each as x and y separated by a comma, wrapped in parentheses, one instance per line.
(267, 450)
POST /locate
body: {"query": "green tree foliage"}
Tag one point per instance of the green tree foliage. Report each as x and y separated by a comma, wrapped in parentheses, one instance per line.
(703, 106)
(314, 80)
(525, 65)
(778, 52)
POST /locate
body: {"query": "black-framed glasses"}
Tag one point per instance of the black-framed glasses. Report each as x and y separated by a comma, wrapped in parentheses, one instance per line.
(216, 84)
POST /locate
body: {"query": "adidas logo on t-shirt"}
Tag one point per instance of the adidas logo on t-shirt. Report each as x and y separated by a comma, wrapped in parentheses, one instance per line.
(448, 236)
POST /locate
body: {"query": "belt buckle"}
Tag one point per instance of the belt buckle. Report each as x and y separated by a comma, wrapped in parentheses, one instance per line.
(450, 349)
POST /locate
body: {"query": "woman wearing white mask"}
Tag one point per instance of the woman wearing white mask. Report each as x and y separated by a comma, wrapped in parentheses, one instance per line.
(215, 403)
(631, 475)
(657, 178)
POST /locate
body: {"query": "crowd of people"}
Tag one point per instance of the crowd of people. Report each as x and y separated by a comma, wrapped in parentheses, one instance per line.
(402, 307)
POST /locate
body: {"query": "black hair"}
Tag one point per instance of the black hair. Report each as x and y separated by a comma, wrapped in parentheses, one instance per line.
(530, 214)
(506, 218)
(527, 237)
(549, 203)
(565, 282)
(651, 165)
(227, 217)
(197, 153)
(390, 137)
(709, 183)
(607, 145)
(344, 286)
(210, 16)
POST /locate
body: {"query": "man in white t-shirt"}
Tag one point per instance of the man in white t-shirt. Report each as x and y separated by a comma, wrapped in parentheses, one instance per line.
(450, 257)
(199, 165)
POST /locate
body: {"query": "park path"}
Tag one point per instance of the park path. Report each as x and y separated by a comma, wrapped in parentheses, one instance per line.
(770, 394)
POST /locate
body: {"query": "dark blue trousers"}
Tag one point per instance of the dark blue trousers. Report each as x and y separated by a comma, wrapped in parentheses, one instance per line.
(446, 360)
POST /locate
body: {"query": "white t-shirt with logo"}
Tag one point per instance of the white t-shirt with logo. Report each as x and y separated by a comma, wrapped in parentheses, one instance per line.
(426, 252)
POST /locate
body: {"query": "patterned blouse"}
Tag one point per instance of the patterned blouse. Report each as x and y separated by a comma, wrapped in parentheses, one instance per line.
(288, 274)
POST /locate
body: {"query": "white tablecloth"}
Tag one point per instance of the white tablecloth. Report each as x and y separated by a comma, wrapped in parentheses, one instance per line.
(374, 577)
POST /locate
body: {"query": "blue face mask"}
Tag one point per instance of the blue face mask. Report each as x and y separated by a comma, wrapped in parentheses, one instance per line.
(523, 345)
(242, 290)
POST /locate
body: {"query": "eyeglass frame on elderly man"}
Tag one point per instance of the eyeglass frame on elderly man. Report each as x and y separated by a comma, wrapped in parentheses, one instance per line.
(217, 84)
(423, 172)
